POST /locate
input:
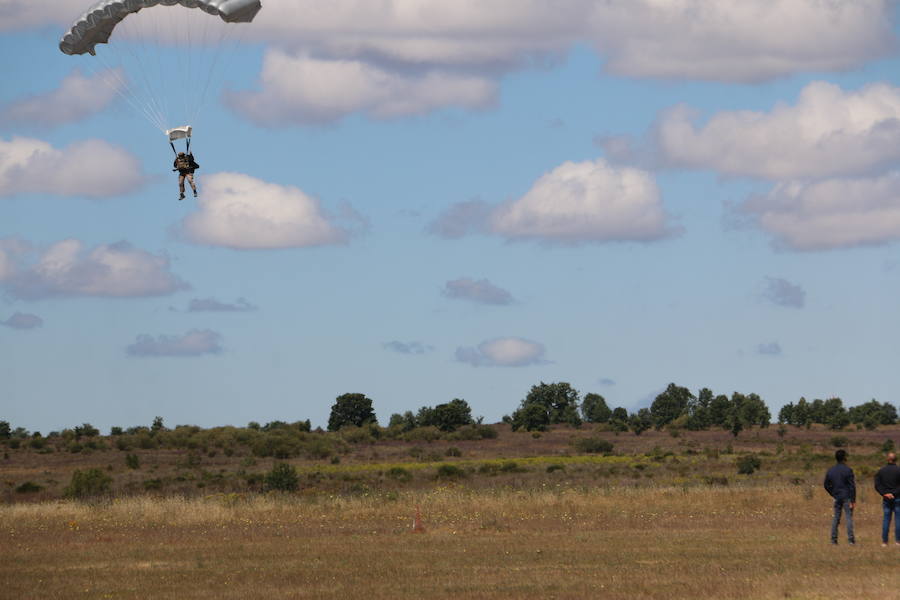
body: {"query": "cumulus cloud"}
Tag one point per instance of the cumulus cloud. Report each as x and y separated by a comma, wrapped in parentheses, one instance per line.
(461, 219)
(23, 321)
(213, 305)
(835, 213)
(76, 98)
(92, 168)
(590, 201)
(746, 41)
(193, 343)
(241, 212)
(769, 349)
(784, 293)
(502, 352)
(407, 347)
(401, 57)
(481, 291)
(68, 268)
(303, 89)
(829, 132)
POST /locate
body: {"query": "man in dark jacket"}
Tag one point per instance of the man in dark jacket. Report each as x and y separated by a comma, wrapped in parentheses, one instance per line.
(185, 165)
(887, 484)
(839, 482)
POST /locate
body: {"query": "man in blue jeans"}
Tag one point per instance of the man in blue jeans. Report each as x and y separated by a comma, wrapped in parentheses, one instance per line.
(887, 484)
(839, 482)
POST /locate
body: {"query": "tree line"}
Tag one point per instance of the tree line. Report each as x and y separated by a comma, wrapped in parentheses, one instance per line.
(549, 404)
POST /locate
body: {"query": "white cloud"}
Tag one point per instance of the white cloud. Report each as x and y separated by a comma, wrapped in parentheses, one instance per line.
(739, 40)
(829, 132)
(769, 349)
(401, 57)
(213, 305)
(67, 268)
(23, 321)
(481, 291)
(835, 213)
(193, 343)
(407, 347)
(92, 168)
(242, 212)
(77, 98)
(302, 89)
(784, 293)
(589, 201)
(502, 352)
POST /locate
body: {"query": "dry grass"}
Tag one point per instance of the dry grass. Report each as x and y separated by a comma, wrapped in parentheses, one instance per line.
(555, 542)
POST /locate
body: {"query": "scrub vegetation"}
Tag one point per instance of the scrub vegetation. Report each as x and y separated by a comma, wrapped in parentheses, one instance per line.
(574, 508)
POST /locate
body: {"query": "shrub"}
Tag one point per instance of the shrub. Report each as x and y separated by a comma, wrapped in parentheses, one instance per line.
(153, 484)
(132, 461)
(511, 466)
(715, 480)
(74, 447)
(357, 435)
(29, 487)
(748, 463)
(453, 451)
(592, 445)
(91, 482)
(888, 445)
(839, 441)
(552, 468)
(37, 443)
(400, 474)
(282, 477)
(422, 434)
(450, 472)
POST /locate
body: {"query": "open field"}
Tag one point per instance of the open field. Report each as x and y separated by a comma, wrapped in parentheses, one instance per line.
(662, 516)
(768, 542)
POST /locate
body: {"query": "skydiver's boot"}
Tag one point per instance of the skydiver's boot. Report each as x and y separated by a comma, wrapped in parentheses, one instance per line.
(181, 196)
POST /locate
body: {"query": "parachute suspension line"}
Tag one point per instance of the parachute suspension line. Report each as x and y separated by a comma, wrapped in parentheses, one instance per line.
(123, 87)
(174, 151)
(220, 50)
(156, 33)
(148, 93)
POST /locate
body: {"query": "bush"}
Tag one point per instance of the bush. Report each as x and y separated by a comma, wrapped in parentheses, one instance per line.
(888, 445)
(84, 484)
(748, 463)
(450, 472)
(29, 487)
(132, 461)
(153, 484)
(552, 468)
(400, 474)
(592, 445)
(282, 477)
(453, 451)
(839, 441)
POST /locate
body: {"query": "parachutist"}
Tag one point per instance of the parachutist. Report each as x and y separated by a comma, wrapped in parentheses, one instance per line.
(185, 165)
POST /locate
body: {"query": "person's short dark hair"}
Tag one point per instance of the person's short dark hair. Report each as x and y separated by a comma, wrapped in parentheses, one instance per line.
(840, 455)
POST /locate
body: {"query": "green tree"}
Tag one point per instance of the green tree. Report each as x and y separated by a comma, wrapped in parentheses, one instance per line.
(594, 409)
(669, 405)
(719, 409)
(351, 409)
(530, 417)
(450, 416)
(157, 425)
(406, 421)
(557, 401)
(698, 410)
(640, 421)
(5, 431)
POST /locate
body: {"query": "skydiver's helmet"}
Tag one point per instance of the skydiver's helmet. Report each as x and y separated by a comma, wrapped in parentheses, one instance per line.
(180, 154)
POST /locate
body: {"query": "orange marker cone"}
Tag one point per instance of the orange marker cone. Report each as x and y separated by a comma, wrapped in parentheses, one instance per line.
(417, 522)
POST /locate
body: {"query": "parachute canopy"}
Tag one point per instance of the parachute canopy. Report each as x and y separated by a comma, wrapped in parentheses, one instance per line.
(97, 24)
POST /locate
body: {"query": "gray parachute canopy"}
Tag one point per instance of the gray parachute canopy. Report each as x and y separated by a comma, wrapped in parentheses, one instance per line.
(97, 24)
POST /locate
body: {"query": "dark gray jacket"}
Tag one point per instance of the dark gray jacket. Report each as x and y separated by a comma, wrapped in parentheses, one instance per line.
(887, 480)
(839, 482)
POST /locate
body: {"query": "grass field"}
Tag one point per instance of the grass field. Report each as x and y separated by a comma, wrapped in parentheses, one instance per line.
(665, 517)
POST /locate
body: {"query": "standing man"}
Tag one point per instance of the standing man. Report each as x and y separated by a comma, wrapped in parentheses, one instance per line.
(185, 165)
(839, 482)
(887, 483)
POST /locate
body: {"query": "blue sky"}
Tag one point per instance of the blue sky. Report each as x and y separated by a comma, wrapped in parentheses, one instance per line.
(424, 201)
